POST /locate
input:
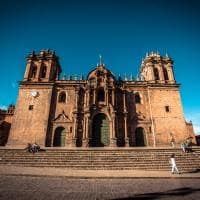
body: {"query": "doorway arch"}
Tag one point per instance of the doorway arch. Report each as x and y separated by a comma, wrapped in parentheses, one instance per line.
(100, 131)
(140, 139)
(59, 137)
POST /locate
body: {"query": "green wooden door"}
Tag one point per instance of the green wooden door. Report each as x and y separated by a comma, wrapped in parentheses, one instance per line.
(62, 142)
(59, 137)
(100, 131)
(140, 137)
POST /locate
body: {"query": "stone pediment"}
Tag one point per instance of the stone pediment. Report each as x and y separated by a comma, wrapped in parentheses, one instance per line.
(62, 118)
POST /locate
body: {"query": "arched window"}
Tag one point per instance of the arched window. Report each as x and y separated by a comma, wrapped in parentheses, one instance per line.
(33, 71)
(166, 77)
(43, 71)
(156, 74)
(137, 98)
(101, 95)
(62, 97)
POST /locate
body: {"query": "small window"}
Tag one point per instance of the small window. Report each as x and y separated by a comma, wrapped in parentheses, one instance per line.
(33, 71)
(137, 98)
(167, 108)
(43, 71)
(62, 97)
(30, 107)
(166, 77)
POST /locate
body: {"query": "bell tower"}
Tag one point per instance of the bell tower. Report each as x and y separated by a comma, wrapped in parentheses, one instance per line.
(33, 113)
(42, 67)
(157, 69)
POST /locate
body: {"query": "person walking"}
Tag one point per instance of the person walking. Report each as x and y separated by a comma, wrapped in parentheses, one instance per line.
(173, 164)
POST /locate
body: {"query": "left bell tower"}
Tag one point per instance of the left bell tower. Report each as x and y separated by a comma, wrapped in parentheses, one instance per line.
(42, 67)
(35, 103)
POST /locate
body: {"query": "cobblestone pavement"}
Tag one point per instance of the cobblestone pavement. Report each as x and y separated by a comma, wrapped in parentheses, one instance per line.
(42, 188)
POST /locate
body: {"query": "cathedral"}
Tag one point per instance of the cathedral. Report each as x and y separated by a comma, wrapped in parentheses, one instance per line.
(100, 110)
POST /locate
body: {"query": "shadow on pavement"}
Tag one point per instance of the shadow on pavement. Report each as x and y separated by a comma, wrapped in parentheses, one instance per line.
(195, 171)
(158, 195)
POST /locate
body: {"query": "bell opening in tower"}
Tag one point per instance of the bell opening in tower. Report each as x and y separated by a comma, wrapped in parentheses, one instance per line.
(101, 95)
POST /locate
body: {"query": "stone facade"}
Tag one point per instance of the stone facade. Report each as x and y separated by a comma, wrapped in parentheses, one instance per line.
(98, 111)
(6, 117)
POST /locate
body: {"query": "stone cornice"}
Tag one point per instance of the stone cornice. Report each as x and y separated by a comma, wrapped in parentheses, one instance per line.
(148, 84)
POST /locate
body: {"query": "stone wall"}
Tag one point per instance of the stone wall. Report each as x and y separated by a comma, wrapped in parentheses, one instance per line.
(167, 114)
(31, 124)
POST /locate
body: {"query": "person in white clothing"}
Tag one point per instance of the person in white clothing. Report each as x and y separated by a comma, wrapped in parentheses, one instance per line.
(173, 164)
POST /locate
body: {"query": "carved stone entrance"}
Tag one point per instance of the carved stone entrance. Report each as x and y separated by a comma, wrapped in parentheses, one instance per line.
(140, 137)
(100, 131)
(59, 137)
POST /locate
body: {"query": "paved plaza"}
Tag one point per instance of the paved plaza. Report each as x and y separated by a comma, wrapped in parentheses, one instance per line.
(47, 188)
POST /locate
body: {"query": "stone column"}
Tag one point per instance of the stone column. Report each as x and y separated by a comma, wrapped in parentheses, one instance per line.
(28, 68)
(49, 72)
(106, 96)
(86, 127)
(125, 120)
(113, 97)
(86, 132)
(52, 137)
(74, 136)
(87, 99)
(170, 73)
(76, 99)
(84, 121)
(160, 71)
(94, 96)
(73, 143)
(124, 100)
(126, 132)
(150, 75)
(38, 70)
(113, 142)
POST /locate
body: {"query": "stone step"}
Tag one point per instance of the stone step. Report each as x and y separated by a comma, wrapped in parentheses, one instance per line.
(83, 167)
(155, 159)
(179, 160)
(98, 157)
(101, 159)
(99, 154)
(194, 164)
(100, 164)
(123, 153)
(132, 159)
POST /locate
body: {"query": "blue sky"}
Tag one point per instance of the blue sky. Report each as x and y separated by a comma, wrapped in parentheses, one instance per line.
(121, 30)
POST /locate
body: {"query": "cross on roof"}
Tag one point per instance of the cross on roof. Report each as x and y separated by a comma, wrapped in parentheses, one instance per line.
(100, 60)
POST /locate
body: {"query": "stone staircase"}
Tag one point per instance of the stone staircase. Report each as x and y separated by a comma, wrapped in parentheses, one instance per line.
(102, 158)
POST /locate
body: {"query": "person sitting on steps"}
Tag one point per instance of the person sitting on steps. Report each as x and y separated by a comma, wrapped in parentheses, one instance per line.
(33, 148)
